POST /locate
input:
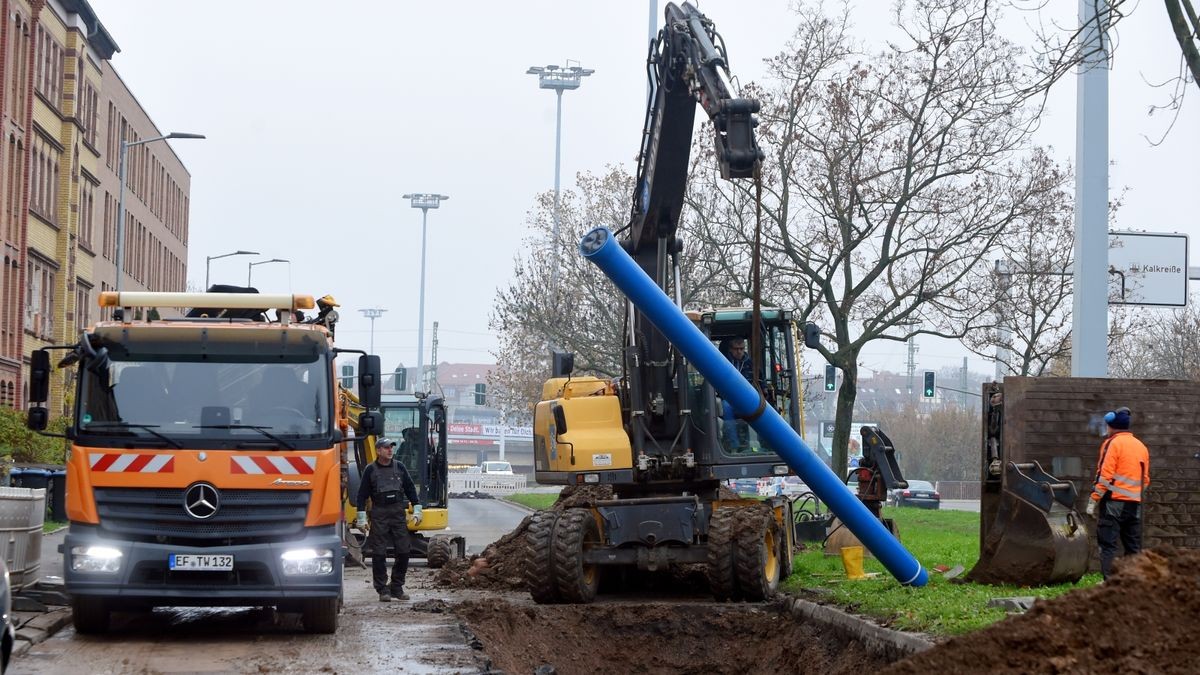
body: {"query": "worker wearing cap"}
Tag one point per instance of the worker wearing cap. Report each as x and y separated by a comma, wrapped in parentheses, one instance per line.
(1122, 475)
(389, 487)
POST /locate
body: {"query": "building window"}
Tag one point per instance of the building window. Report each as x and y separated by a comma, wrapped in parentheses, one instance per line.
(83, 304)
(39, 299)
(87, 212)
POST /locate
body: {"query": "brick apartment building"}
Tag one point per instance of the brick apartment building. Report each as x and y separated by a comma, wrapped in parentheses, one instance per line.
(63, 112)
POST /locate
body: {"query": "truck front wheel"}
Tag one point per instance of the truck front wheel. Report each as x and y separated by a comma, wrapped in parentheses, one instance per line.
(89, 615)
(320, 615)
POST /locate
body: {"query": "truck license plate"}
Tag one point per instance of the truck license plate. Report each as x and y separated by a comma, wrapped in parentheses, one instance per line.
(201, 563)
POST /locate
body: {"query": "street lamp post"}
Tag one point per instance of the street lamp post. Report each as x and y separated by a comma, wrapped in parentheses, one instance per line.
(250, 267)
(558, 79)
(121, 168)
(373, 313)
(423, 201)
(208, 261)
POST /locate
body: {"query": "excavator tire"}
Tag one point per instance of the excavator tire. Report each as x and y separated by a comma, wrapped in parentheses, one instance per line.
(575, 534)
(721, 540)
(539, 558)
(759, 562)
(438, 553)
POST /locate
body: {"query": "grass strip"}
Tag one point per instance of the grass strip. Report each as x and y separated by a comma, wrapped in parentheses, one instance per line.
(942, 608)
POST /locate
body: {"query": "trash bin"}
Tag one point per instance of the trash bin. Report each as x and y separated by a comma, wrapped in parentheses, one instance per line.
(58, 495)
(25, 477)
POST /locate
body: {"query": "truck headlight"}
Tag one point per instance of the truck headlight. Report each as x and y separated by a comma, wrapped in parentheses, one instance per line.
(307, 561)
(104, 559)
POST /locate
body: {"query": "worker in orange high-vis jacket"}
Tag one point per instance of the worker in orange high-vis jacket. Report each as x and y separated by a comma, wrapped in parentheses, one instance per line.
(1122, 476)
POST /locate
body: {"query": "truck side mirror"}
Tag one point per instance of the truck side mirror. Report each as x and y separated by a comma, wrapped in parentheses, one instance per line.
(560, 419)
(370, 389)
(812, 335)
(38, 418)
(370, 423)
(561, 364)
(39, 377)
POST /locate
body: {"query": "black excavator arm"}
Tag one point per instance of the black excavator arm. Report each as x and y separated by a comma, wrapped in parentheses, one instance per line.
(688, 67)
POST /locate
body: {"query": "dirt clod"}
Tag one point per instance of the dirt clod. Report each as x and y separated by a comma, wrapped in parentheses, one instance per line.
(1142, 620)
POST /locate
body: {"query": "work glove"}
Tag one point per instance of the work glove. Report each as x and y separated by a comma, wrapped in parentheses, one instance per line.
(361, 520)
(417, 514)
(1091, 507)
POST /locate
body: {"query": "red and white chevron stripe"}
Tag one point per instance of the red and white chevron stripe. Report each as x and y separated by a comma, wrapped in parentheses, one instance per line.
(272, 464)
(115, 462)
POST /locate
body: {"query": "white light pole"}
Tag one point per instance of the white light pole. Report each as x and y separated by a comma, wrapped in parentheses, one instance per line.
(125, 145)
(558, 79)
(250, 267)
(372, 313)
(423, 201)
(208, 262)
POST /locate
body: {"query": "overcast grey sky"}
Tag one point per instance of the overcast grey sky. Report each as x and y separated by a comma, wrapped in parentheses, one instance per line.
(320, 116)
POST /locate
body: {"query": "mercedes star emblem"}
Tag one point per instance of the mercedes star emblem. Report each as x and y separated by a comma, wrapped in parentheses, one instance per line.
(201, 501)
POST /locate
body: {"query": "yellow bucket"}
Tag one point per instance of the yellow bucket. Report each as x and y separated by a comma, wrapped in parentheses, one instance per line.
(852, 560)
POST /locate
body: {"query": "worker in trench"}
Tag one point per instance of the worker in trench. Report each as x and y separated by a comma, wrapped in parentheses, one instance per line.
(387, 484)
(1122, 476)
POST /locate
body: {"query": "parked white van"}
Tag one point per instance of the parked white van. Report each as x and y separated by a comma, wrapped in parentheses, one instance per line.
(497, 467)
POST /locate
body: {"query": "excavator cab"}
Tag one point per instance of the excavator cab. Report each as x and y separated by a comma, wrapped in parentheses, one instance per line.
(1029, 531)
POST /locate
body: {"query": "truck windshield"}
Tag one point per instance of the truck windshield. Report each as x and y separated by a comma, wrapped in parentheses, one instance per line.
(208, 397)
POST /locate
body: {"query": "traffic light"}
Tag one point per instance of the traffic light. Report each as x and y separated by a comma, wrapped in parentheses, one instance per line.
(481, 394)
(830, 377)
(930, 385)
(348, 376)
(400, 379)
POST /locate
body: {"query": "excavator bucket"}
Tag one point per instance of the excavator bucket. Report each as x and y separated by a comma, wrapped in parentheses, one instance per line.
(1035, 537)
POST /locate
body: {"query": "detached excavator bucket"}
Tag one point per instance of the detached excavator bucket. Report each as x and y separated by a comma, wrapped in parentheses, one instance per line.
(1036, 537)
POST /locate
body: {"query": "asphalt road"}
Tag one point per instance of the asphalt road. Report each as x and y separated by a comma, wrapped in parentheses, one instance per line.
(412, 637)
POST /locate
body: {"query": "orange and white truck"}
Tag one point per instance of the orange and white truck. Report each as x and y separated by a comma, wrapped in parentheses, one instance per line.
(207, 456)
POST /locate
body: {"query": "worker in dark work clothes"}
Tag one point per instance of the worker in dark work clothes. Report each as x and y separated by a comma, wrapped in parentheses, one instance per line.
(389, 487)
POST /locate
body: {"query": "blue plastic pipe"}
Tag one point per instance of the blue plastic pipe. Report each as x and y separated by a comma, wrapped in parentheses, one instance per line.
(600, 247)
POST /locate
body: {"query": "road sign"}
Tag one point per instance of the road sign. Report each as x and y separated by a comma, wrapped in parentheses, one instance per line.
(1147, 268)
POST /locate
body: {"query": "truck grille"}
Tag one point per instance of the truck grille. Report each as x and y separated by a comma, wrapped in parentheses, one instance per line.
(243, 514)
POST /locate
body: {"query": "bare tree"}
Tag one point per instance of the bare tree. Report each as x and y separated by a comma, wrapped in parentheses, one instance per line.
(1032, 279)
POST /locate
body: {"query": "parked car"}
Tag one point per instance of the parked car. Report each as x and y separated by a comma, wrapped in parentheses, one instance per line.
(919, 493)
(745, 486)
(8, 635)
(792, 486)
(497, 467)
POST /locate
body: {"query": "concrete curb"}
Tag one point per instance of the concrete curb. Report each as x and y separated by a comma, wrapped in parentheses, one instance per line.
(522, 507)
(889, 644)
(39, 629)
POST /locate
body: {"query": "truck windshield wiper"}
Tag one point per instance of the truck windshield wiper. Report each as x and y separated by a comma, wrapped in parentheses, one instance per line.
(126, 425)
(261, 430)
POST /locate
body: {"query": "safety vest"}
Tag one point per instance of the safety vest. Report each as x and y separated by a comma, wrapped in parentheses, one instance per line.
(1123, 471)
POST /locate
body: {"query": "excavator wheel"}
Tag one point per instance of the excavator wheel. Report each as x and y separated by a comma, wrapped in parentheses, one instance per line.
(438, 553)
(539, 558)
(721, 540)
(575, 534)
(759, 563)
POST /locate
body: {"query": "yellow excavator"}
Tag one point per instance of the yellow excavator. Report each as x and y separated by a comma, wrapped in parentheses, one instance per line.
(660, 437)
(418, 423)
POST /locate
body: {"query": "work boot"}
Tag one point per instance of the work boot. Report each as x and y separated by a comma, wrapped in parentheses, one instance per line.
(400, 595)
(385, 597)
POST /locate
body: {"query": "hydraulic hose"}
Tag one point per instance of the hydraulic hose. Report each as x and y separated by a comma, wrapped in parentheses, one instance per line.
(600, 247)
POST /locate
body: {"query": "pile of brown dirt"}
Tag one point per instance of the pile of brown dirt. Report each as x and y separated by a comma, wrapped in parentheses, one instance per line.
(654, 638)
(502, 563)
(1144, 619)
